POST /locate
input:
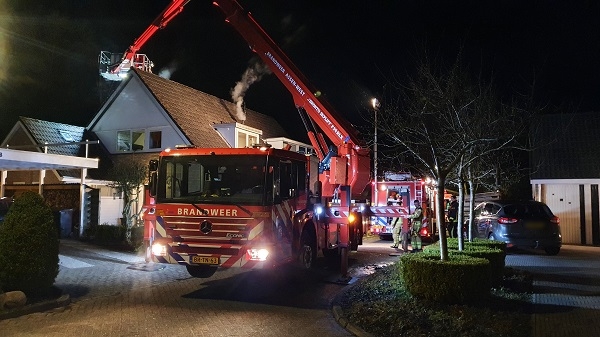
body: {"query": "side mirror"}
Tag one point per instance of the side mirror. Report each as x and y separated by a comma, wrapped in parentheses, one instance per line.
(152, 184)
(153, 165)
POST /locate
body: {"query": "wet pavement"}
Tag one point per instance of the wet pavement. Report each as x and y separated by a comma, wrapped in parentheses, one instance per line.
(566, 297)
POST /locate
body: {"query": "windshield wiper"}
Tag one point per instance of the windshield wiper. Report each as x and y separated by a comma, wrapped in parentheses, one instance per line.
(204, 211)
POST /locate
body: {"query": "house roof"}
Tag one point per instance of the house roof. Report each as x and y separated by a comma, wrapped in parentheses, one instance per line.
(30, 133)
(566, 146)
(195, 112)
(54, 133)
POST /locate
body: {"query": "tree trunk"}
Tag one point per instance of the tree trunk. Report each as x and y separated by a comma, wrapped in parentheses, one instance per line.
(472, 203)
(460, 213)
(441, 218)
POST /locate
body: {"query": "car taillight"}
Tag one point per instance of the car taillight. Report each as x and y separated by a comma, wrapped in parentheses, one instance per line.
(507, 221)
(555, 220)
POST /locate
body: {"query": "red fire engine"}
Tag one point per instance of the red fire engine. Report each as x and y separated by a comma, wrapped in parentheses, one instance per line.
(260, 207)
(401, 193)
(400, 189)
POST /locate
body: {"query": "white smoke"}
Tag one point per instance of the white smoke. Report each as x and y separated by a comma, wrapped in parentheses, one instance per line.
(253, 73)
(167, 71)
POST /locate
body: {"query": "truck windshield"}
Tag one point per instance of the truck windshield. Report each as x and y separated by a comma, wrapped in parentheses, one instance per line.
(225, 179)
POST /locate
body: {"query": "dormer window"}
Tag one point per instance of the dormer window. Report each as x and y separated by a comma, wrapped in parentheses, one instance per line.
(245, 139)
(238, 135)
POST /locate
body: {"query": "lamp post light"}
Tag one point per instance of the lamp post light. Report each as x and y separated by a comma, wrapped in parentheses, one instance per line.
(375, 104)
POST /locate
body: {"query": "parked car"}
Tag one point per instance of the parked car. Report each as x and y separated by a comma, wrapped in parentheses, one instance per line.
(525, 224)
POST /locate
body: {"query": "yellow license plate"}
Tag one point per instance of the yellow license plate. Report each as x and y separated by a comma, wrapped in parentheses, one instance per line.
(534, 225)
(205, 260)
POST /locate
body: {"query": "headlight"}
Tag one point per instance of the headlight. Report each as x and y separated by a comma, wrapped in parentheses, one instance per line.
(258, 254)
(318, 209)
(159, 249)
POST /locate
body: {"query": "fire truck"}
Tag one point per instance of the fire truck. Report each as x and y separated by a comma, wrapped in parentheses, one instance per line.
(400, 190)
(260, 207)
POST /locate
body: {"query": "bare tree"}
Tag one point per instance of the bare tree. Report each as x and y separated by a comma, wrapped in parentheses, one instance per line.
(441, 122)
(128, 177)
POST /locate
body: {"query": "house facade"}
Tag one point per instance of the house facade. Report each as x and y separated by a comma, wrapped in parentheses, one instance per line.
(565, 173)
(145, 115)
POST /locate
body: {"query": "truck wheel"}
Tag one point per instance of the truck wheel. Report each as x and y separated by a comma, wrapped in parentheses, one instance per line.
(355, 238)
(201, 271)
(308, 250)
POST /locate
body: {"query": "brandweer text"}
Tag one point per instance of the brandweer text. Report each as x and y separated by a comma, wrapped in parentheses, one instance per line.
(211, 212)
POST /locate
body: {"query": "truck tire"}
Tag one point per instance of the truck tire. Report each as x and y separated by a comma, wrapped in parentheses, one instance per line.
(201, 271)
(308, 250)
(355, 237)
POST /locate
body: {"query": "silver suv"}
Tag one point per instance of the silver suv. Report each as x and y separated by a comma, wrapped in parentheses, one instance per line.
(526, 224)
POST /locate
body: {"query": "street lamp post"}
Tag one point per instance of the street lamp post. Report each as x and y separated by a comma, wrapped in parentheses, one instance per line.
(375, 104)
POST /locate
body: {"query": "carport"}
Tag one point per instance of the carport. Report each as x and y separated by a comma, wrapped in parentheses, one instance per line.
(19, 160)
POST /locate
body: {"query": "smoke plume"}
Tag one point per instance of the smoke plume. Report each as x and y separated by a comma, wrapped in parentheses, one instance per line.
(253, 73)
(167, 71)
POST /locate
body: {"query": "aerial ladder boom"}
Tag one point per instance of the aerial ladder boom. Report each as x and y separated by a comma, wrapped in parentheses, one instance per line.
(347, 162)
(114, 67)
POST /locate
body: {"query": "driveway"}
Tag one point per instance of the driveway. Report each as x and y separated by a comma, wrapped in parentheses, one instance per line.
(566, 290)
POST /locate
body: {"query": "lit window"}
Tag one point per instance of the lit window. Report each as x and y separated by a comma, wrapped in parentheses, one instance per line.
(246, 139)
(241, 139)
(252, 140)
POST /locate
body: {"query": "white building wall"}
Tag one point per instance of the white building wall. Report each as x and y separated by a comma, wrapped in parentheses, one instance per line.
(136, 110)
(110, 210)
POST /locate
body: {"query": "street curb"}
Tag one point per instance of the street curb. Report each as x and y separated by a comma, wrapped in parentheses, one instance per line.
(62, 301)
(338, 313)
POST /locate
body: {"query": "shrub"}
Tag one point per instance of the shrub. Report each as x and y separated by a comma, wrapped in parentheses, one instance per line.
(460, 279)
(106, 234)
(114, 236)
(29, 246)
(495, 256)
(452, 244)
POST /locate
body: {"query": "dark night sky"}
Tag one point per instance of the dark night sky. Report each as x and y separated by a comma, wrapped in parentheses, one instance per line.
(348, 49)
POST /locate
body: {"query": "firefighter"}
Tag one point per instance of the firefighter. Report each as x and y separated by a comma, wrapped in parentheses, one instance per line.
(396, 222)
(453, 218)
(416, 219)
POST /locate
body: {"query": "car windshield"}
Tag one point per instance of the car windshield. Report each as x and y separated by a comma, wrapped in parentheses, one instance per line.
(528, 210)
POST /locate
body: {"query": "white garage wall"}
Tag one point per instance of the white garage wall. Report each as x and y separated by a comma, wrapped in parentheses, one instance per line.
(110, 210)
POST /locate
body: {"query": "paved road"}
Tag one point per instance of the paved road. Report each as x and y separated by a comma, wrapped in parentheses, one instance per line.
(115, 295)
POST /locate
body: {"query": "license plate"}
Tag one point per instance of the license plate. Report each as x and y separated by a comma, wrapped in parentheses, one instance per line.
(534, 225)
(205, 260)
